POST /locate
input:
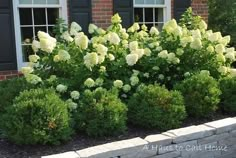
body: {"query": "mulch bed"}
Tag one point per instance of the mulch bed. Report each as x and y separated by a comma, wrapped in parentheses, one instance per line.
(81, 141)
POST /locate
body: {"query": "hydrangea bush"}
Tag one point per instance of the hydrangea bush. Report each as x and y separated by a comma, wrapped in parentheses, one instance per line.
(123, 59)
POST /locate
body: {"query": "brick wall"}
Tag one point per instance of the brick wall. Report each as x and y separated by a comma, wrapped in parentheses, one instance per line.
(9, 74)
(102, 11)
(200, 7)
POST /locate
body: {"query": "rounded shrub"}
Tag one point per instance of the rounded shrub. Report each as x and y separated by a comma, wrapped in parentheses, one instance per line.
(101, 113)
(201, 94)
(9, 89)
(154, 106)
(228, 96)
(37, 116)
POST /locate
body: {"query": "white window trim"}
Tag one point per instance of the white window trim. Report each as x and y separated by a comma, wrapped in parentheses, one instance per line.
(166, 7)
(62, 13)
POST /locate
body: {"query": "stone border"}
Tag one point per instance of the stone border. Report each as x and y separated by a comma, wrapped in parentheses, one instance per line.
(215, 139)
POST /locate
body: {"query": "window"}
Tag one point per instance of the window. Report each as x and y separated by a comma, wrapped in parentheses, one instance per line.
(152, 12)
(32, 16)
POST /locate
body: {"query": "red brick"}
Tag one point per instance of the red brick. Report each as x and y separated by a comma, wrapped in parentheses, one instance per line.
(102, 11)
(9, 74)
(2, 78)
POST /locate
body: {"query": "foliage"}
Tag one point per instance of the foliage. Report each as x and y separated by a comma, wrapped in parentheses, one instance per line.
(190, 20)
(155, 106)
(80, 68)
(59, 29)
(133, 56)
(9, 89)
(228, 96)
(38, 116)
(201, 94)
(101, 113)
(222, 17)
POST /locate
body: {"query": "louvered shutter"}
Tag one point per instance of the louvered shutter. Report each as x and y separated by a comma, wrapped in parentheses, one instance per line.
(80, 12)
(125, 10)
(7, 38)
(180, 6)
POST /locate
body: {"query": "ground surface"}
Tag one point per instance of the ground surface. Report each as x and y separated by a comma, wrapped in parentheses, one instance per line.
(80, 141)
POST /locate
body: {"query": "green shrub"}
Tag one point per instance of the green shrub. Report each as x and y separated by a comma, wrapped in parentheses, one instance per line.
(201, 94)
(190, 20)
(9, 89)
(225, 21)
(228, 96)
(37, 116)
(154, 106)
(101, 113)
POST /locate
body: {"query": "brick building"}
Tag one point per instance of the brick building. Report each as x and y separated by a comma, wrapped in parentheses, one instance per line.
(22, 19)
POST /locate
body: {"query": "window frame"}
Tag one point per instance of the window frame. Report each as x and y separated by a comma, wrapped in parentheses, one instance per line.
(166, 11)
(62, 6)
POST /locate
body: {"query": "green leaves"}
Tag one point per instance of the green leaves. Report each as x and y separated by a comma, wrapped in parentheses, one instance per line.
(222, 17)
(154, 106)
(201, 94)
(38, 116)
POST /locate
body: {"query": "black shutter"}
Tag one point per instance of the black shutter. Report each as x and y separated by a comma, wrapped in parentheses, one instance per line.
(180, 6)
(80, 12)
(125, 10)
(7, 37)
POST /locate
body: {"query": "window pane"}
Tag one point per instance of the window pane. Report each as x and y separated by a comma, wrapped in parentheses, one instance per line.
(149, 26)
(149, 1)
(39, 16)
(26, 51)
(44, 29)
(39, 1)
(53, 14)
(25, 2)
(160, 1)
(159, 26)
(25, 16)
(50, 31)
(53, 1)
(138, 14)
(26, 34)
(148, 14)
(139, 1)
(159, 17)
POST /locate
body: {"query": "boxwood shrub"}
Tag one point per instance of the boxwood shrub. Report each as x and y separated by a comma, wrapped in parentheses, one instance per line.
(154, 106)
(228, 96)
(101, 113)
(9, 89)
(38, 116)
(201, 94)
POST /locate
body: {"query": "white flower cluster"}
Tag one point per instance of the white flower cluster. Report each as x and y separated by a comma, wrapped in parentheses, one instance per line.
(61, 56)
(47, 43)
(75, 95)
(136, 53)
(170, 57)
(61, 88)
(34, 58)
(74, 29)
(118, 83)
(90, 60)
(116, 19)
(89, 83)
(33, 79)
(81, 40)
